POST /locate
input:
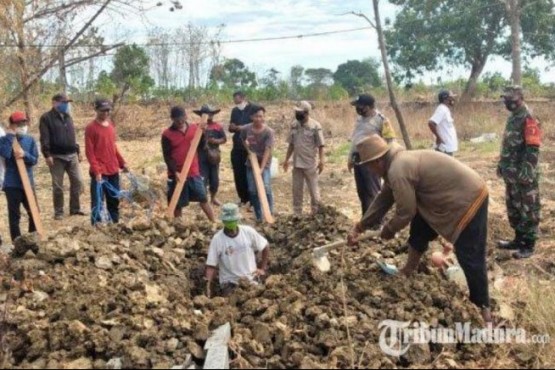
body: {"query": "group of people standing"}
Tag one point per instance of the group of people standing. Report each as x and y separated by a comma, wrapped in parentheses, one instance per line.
(433, 192)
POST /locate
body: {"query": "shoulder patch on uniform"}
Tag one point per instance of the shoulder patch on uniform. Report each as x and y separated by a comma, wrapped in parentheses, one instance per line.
(532, 132)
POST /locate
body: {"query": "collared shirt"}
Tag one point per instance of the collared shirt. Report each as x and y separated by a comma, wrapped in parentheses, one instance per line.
(57, 134)
(175, 146)
(12, 178)
(368, 126)
(306, 140)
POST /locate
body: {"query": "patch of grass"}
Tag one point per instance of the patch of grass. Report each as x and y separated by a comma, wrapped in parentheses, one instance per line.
(339, 153)
(482, 148)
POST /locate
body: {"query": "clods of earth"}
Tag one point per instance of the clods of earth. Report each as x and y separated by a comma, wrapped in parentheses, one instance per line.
(132, 295)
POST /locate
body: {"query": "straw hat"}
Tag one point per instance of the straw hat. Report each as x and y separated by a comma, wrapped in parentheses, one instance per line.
(372, 148)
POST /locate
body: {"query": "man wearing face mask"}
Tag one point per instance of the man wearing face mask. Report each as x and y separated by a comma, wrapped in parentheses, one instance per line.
(240, 117)
(518, 166)
(442, 124)
(12, 186)
(62, 153)
(306, 145)
(233, 253)
(369, 122)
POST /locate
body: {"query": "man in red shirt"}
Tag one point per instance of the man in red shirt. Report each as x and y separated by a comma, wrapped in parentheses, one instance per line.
(176, 141)
(105, 161)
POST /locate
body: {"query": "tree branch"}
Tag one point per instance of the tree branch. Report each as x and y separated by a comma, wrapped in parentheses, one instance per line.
(362, 15)
(53, 61)
(104, 49)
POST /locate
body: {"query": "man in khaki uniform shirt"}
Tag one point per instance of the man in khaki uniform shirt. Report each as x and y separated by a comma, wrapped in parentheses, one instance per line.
(306, 143)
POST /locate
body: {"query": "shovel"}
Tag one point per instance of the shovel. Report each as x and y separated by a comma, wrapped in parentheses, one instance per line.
(320, 254)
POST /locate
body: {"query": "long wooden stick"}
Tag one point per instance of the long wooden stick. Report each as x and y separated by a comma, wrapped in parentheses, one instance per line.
(182, 177)
(260, 189)
(29, 193)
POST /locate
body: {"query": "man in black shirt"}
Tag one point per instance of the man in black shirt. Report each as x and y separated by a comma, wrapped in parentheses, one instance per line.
(240, 116)
(61, 151)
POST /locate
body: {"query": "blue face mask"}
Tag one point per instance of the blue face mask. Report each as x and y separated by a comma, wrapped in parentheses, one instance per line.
(63, 108)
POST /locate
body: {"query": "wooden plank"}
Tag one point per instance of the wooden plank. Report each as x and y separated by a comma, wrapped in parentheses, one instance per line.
(29, 193)
(182, 177)
(260, 189)
(217, 356)
(220, 337)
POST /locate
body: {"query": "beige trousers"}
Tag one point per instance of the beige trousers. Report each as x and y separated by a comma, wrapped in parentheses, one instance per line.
(310, 176)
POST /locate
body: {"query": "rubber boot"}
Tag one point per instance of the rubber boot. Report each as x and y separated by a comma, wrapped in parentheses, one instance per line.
(514, 245)
(526, 251)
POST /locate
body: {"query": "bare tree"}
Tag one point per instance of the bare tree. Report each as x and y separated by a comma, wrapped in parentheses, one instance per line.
(377, 25)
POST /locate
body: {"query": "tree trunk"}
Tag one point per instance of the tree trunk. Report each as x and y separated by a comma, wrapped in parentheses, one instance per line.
(514, 12)
(389, 80)
(63, 71)
(472, 83)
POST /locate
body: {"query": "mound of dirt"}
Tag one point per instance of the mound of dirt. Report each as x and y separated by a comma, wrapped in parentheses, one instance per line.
(132, 296)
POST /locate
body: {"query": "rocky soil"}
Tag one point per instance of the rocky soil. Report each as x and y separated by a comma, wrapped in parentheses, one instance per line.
(133, 296)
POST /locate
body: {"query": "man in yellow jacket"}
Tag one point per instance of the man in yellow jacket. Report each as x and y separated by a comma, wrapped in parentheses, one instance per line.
(437, 196)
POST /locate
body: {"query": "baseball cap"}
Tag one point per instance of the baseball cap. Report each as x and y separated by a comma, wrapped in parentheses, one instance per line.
(177, 112)
(18, 116)
(365, 100)
(303, 106)
(513, 92)
(61, 97)
(444, 94)
(102, 105)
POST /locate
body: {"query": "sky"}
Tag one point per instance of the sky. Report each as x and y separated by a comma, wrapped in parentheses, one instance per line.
(246, 19)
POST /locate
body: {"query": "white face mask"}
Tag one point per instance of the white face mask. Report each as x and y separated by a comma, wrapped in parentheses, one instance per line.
(242, 105)
(22, 130)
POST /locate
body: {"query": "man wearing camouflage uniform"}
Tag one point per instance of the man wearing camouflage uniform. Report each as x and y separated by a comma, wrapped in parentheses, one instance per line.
(518, 166)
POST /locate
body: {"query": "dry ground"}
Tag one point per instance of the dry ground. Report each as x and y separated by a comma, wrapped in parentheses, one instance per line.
(525, 290)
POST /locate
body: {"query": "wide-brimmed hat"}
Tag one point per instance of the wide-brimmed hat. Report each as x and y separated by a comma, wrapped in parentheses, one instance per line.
(513, 92)
(303, 106)
(230, 213)
(206, 109)
(372, 148)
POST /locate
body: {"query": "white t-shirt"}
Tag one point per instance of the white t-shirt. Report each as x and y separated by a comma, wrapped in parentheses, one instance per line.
(2, 162)
(446, 129)
(236, 257)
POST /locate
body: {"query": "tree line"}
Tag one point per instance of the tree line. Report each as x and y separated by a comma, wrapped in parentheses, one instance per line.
(49, 46)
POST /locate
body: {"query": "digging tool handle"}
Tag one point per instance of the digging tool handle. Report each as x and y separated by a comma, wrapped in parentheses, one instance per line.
(260, 189)
(342, 243)
(182, 177)
(29, 193)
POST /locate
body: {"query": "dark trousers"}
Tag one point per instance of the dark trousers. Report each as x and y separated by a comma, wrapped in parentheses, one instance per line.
(470, 248)
(15, 198)
(368, 186)
(239, 158)
(211, 175)
(112, 203)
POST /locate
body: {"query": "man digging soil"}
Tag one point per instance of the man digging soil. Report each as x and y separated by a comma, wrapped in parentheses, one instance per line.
(233, 253)
(436, 195)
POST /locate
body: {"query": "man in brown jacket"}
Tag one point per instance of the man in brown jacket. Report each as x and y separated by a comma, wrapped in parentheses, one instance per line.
(436, 195)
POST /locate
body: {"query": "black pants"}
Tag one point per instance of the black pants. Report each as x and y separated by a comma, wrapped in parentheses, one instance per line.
(211, 175)
(368, 186)
(470, 248)
(16, 197)
(112, 203)
(239, 158)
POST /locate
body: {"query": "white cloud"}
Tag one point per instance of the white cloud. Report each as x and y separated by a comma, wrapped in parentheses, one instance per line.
(261, 18)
